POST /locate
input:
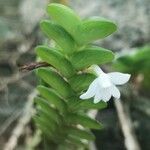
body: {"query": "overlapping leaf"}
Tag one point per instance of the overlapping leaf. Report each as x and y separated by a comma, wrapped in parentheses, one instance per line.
(83, 31)
(59, 35)
(45, 108)
(91, 55)
(95, 28)
(65, 17)
(81, 81)
(83, 120)
(75, 140)
(56, 59)
(56, 82)
(75, 104)
(83, 134)
(51, 96)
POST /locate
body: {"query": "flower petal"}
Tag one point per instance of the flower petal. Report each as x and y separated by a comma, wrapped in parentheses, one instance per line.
(106, 94)
(98, 96)
(118, 78)
(91, 90)
(97, 70)
(104, 81)
(115, 92)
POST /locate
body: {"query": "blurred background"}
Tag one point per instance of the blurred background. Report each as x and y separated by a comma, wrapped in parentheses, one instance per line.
(126, 123)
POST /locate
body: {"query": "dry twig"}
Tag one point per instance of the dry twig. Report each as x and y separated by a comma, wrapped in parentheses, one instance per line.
(131, 142)
(32, 66)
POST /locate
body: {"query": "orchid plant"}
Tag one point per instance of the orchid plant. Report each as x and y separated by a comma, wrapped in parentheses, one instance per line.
(61, 114)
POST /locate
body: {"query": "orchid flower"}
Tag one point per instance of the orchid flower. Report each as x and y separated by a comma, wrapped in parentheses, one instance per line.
(104, 86)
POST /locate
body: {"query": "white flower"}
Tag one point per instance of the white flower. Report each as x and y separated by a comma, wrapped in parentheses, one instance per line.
(103, 87)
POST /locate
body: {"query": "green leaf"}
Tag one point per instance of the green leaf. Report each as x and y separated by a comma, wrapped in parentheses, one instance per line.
(46, 129)
(75, 140)
(56, 59)
(89, 56)
(83, 120)
(56, 82)
(88, 104)
(139, 61)
(48, 120)
(142, 54)
(82, 31)
(59, 35)
(43, 128)
(44, 121)
(81, 81)
(65, 17)
(51, 96)
(47, 109)
(83, 134)
(96, 28)
(75, 104)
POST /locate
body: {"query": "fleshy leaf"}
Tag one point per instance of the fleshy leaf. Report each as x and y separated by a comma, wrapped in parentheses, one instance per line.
(55, 81)
(46, 121)
(89, 56)
(65, 17)
(83, 134)
(51, 96)
(45, 107)
(76, 104)
(41, 125)
(83, 120)
(96, 28)
(88, 104)
(81, 81)
(59, 35)
(56, 59)
(76, 141)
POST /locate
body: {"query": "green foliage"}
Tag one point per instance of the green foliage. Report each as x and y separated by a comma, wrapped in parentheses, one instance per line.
(51, 96)
(137, 62)
(81, 82)
(45, 108)
(83, 120)
(86, 105)
(82, 134)
(96, 28)
(55, 81)
(65, 17)
(57, 33)
(59, 109)
(91, 55)
(82, 31)
(56, 59)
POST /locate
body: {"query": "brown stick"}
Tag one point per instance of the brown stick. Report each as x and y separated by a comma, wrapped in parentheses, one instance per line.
(131, 141)
(33, 65)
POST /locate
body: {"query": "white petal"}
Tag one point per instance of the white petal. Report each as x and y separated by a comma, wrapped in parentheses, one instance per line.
(115, 92)
(106, 94)
(97, 69)
(98, 96)
(91, 90)
(118, 78)
(104, 81)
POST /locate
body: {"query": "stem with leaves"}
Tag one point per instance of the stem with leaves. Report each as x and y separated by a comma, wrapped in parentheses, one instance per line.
(61, 115)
